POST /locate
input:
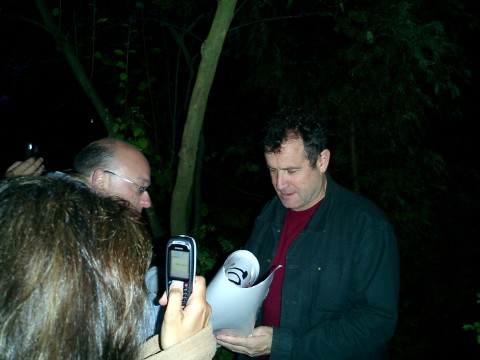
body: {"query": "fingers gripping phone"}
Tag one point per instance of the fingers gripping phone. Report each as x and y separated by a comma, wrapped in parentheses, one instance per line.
(181, 263)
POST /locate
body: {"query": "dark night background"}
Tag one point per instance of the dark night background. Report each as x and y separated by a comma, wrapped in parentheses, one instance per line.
(435, 211)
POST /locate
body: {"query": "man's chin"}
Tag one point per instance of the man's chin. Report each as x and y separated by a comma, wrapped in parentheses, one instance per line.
(289, 203)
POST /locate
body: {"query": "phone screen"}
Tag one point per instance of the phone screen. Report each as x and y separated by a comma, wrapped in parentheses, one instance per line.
(181, 256)
(179, 264)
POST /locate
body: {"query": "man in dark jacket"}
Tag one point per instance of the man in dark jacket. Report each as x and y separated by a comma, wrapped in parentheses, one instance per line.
(335, 296)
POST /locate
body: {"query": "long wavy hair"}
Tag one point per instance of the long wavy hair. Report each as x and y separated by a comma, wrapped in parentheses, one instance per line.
(72, 267)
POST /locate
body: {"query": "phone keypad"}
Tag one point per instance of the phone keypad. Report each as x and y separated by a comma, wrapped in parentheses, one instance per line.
(185, 293)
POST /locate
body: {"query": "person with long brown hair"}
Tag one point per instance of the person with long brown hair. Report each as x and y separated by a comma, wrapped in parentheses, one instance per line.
(72, 267)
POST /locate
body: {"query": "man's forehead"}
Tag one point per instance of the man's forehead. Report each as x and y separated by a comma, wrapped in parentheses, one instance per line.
(285, 162)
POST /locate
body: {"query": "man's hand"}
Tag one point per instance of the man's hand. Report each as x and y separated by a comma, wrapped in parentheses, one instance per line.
(259, 343)
(31, 166)
(180, 324)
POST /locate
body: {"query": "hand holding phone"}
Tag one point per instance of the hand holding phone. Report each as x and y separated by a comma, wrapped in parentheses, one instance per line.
(181, 323)
(181, 263)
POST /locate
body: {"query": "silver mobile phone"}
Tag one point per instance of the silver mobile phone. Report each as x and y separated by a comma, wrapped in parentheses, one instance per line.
(181, 263)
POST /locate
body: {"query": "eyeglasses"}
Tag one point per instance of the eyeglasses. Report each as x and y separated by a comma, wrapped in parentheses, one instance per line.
(141, 189)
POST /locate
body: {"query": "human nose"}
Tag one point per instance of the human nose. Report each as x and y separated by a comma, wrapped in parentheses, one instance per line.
(280, 180)
(145, 200)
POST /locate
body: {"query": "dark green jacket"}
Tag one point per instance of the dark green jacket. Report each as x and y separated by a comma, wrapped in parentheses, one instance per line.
(341, 284)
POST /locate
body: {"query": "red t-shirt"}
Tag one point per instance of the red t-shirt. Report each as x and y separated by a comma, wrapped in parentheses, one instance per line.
(295, 222)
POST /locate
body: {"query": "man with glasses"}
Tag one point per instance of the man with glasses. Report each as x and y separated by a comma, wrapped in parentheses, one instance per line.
(114, 167)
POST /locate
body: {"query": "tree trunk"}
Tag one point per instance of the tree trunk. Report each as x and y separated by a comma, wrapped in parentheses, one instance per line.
(64, 46)
(211, 50)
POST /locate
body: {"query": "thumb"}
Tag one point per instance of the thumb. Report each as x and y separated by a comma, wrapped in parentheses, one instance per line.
(175, 297)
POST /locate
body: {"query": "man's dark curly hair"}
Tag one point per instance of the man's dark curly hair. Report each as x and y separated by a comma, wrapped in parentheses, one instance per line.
(293, 123)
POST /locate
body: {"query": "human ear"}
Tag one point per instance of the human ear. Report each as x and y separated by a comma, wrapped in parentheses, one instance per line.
(99, 180)
(323, 160)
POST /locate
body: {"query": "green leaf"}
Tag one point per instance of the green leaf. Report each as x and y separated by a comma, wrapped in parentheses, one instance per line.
(120, 65)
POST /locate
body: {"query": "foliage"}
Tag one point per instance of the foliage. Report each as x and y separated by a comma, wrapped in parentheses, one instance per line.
(475, 326)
